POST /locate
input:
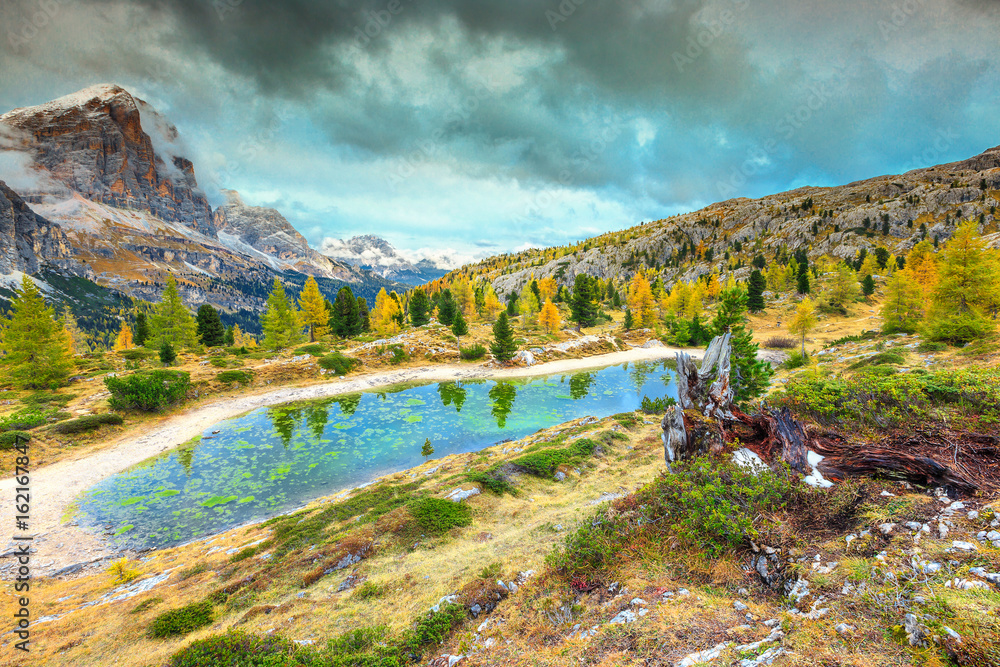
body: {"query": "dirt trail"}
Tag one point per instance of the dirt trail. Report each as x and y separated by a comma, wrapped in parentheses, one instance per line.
(54, 487)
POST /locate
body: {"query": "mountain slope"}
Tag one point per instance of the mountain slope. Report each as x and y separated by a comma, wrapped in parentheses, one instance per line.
(894, 211)
(28, 238)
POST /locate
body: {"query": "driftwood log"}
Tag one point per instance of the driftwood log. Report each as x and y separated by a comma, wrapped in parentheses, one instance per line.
(704, 421)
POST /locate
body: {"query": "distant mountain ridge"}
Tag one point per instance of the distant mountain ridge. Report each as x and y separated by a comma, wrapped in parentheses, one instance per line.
(108, 194)
(894, 211)
(379, 256)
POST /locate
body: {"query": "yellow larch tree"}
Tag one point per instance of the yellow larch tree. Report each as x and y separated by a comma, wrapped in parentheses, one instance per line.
(312, 304)
(640, 301)
(125, 340)
(549, 316)
(385, 313)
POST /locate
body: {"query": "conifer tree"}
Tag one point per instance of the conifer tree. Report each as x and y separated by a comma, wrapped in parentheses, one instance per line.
(419, 308)
(802, 282)
(640, 301)
(125, 340)
(172, 321)
(141, 329)
(459, 328)
(77, 339)
(968, 289)
(583, 304)
(903, 307)
(752, 376)
(755, 292)
(868, 286)
(447, 308)
(230, 336)
(209, 326)
(629, 321)
(427, 450)
(281, 322)
(345, 316)
(313, 308)
(384, 314)
(364, 314)
(804, 320)
(549, 316)
(503, 346)
(167, 354)
(36, 347)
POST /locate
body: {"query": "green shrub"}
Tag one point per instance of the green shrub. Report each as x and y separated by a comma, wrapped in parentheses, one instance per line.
(239, 351)
(149, 391)
(229, 377)
(879, 359)
(88, 423)
(219, 362)
(9, 439)
(237, 649)
(314, 349)
(796, 360)
(369, 590)
(436, 626)
(47, 399)
(437, 516)
(146, 604)
(492, 480)
(706, 505)
(338, 363)
(181, 621)
(397, 353)
(22, 420)
(544, 463)
(472, 353)
(931, 346)
(652, 406)
(137, 354)
(883, 401)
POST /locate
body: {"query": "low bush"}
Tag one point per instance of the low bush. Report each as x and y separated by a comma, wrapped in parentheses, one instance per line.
(437, 516)
(472, 353)
(229, 377)
(704, 505)
(148, 391)
(544, 463)
(879, 400)
(146, 605)
(858, 338)
(314, 349)
(338, 363)
(369, 591)
(47, 399)
(780, 343)
(88, 423)
(652, 406)
(878, 359)
(182, 621)
(931, 346)
(238, 351)
(138, 354)
(492, 480)
(219, 362)
(436, 626)
(796, 360)
(396, 352)
(22, 420)
(238, 649)
(9, 439)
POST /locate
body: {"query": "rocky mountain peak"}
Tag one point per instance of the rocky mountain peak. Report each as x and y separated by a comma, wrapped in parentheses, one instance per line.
(112, 148)
(27, 239)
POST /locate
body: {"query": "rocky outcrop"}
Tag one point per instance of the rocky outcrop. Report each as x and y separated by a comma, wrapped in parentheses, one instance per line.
(891, 211)
(265, 230)
(115, 149)
(26, 238)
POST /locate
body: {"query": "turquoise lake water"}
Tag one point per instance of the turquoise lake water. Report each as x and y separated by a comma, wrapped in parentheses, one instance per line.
(278, 458)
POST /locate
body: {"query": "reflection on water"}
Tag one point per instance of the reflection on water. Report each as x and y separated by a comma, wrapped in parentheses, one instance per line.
(277, 458)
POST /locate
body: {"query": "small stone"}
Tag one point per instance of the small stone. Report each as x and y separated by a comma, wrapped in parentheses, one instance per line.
(845, 629)
(886, 528)
(623, 617)
(973, 515)
(560, 476)
(964, 546)
(638, 602)
(739, 606)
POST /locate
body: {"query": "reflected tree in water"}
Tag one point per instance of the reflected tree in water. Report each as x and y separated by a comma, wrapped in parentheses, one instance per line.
(503, 395)
(452, 393)
(349, 403)
(579, 385)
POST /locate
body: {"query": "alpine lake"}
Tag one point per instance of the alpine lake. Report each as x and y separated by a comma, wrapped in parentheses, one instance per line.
(279, 458)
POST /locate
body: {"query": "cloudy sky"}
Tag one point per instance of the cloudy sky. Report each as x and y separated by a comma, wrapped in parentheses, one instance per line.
(480, 126)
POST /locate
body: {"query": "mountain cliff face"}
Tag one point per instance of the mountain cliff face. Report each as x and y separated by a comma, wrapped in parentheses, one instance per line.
(27, 239)
(379, 256)
(895, 212)
(94, 143)
(266, 231)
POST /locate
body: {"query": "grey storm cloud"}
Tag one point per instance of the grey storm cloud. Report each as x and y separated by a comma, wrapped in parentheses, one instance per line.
(659, 105)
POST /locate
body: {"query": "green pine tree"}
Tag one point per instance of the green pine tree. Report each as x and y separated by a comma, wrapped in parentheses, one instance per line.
(280, 322)
(36, 347)
(755, 292)
(419, 308)
(629, 320)
(447, 308)
(459, 327)
(583, 304)
(211, 333)
(428, 449)
(503, 346)
(363, 311)
(167, 354)
(752, 376)
(172, 321)
(141, 329)
(868, 286)
(345, 315)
